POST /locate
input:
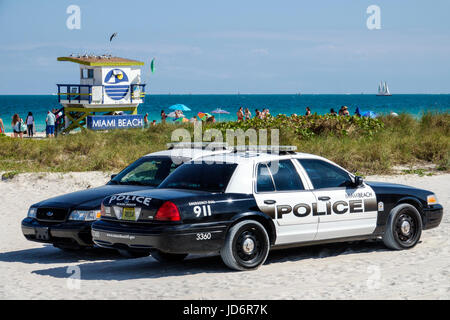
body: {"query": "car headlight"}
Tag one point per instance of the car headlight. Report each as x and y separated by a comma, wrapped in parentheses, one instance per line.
(432, 199)
(84, 215)
(32, 213)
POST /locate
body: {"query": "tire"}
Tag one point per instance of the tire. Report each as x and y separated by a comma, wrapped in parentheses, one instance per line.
(397, 237)
(246, 246)
(133, 254)
(165, 257)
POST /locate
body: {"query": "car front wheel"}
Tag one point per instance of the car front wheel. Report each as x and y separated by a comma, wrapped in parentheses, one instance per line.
(404, 227)
(246, 246)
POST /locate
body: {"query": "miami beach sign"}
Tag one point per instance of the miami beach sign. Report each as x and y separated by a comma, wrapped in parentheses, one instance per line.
(125, 121)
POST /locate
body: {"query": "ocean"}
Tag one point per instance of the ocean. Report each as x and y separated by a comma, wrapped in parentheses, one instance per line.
(415, 104)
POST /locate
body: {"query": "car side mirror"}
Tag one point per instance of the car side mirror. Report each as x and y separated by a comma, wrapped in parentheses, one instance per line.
(113, 176)
(359, 181)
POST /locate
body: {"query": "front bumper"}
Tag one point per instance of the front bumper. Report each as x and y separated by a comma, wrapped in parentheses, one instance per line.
(179, 238)
(432, 216)
(69, 233)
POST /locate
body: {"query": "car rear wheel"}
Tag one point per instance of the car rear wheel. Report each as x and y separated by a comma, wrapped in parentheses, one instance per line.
(246, 246)
(165, 257)
(133, 254)
(404, 227)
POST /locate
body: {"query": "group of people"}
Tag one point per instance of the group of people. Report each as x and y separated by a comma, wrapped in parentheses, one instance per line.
(245, 114)
(27, 127)
(147, 124)
(20, 127)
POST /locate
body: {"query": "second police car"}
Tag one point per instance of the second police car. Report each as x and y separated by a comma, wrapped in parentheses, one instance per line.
(65, 221)
(244, 203)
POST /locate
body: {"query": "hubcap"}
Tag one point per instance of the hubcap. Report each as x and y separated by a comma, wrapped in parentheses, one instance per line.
(248, 246)
(405, 227)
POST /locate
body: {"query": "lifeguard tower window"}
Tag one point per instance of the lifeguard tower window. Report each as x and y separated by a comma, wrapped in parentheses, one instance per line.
(87, 73)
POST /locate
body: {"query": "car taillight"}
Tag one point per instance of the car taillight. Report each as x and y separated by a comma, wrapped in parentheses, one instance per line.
(168, 212)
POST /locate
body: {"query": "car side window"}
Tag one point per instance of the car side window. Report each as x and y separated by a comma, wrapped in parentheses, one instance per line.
(264, 182)
(285, 176)
(325, 175)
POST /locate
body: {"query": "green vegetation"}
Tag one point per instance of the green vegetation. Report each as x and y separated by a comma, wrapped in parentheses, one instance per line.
(369, 146)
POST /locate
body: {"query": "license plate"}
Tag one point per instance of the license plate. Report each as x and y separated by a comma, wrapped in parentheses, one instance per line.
(42, 233)
(128, 214)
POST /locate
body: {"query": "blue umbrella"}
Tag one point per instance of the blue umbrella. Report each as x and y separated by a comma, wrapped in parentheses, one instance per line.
(369, 114)
(181, 107)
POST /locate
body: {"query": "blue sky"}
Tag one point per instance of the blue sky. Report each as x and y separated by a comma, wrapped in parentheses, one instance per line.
(230, 46)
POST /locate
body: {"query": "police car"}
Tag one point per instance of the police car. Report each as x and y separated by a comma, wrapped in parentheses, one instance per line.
(65, 221)
(245, 203)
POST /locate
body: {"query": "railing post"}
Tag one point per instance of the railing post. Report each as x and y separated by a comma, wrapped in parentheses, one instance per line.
(59, 96)
(68, 92)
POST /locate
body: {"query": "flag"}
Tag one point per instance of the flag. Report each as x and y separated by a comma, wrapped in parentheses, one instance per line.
(152, 65)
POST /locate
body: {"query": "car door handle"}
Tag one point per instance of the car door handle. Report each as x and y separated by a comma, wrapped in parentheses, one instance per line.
(324, 198)
(270, 201)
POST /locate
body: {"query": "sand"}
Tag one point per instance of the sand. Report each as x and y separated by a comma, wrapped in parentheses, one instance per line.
(363, 270)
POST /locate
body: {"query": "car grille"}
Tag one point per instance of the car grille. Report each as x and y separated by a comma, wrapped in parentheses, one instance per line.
(51, 214)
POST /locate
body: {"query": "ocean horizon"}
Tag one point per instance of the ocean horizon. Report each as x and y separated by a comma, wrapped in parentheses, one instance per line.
(414, 104)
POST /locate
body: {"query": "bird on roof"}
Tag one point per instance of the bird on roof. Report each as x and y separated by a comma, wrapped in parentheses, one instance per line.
(113, 36)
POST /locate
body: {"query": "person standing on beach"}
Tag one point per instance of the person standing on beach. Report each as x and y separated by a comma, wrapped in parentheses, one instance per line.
(247, 114)
(344, 111)
(332, 112)
(257, 113)
(16, 124)
(146, 124)
(2, 127)
(163, 116)
(30, 124)
(50, 121)
(240, 114)
(308, 111)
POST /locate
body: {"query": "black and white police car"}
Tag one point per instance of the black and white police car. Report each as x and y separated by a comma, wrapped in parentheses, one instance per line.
(65, 221)
(244, 203)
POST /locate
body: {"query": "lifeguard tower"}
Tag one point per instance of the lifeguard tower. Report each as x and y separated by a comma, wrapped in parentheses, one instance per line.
(107, 85)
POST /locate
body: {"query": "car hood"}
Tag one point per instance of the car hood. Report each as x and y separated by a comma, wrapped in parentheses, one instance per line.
(386, 187)
(89, 198)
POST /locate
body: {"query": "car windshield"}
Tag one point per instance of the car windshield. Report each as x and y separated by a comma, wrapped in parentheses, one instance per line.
(147, 171)
(201, 176)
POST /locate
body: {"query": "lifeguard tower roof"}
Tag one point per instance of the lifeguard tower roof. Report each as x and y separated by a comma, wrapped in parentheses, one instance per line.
(100, 61)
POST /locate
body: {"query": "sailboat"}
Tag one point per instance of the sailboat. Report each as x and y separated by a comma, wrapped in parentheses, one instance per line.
(383, 89)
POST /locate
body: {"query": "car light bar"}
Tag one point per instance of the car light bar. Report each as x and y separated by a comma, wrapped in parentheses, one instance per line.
(267, 148)
(197, 145)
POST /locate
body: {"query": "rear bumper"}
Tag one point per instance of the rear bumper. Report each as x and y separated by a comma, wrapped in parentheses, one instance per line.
(181, 238)
(433, 216)
(70, 233)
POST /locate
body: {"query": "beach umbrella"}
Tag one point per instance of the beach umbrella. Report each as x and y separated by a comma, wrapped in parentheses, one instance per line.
(183, 119)
(203, 115)
(369, 114)
(180, 107)
(220, 111)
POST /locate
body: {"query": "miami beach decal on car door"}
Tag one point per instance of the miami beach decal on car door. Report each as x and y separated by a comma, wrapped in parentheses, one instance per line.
(113, 87)
(343, 210)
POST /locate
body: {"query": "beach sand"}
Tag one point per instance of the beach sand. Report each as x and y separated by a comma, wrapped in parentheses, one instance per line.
(363, 270)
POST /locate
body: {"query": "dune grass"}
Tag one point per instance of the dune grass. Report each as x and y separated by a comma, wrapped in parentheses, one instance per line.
(366, 146)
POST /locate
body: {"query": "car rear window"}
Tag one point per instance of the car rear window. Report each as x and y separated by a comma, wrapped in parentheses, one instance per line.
(200, 176)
